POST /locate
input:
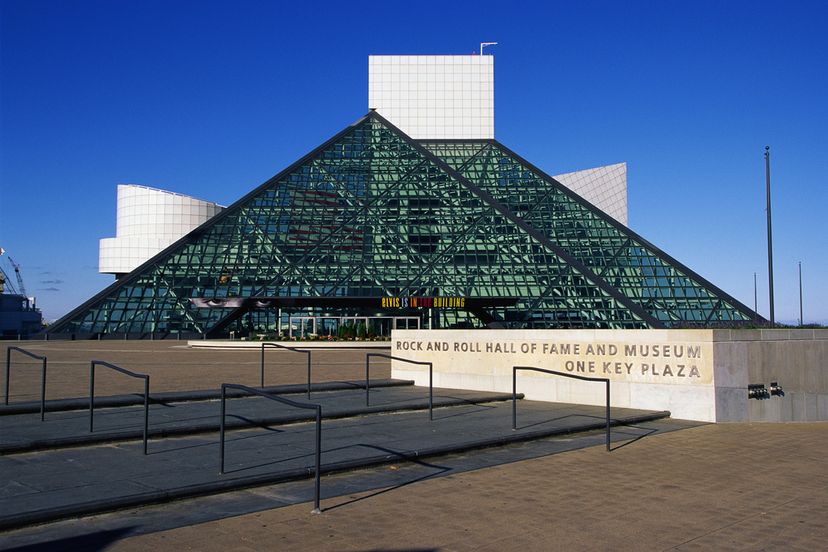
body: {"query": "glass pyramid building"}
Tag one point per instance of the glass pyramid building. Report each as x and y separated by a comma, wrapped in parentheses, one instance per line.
(373, 222)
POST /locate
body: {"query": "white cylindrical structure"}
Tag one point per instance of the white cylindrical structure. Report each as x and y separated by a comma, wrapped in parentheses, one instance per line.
(148, 220)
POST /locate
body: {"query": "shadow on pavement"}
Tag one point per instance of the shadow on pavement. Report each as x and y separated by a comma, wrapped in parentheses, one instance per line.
(440, 470)
(91, 542)
(558, 419)
(647, 433)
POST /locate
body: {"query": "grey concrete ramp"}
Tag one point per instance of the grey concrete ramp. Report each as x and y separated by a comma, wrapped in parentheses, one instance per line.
(26, 433)
(45, 486)
(133, 399)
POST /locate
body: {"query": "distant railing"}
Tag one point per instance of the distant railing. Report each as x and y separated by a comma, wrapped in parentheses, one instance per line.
(564, 374)
(420, 362)
(276, 345)
(42, 377)
(144, 377)
(316, 407)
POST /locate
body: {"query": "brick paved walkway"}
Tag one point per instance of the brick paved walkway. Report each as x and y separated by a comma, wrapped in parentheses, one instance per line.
(715, 487)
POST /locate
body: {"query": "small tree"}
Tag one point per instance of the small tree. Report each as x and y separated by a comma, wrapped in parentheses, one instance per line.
(361, 333)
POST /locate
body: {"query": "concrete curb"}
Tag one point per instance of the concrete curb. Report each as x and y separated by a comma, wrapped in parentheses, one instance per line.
(156, 497)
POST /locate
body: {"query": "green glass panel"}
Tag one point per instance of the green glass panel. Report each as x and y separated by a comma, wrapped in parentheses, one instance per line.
(640, 272)
(371, 213)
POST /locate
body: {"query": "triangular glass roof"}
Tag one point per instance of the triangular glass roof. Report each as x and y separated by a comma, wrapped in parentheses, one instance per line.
(666, 290)
(373, 213)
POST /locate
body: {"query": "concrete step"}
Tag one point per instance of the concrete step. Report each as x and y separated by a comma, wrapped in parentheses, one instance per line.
(82, 403)
(46, 486)
(26, 433)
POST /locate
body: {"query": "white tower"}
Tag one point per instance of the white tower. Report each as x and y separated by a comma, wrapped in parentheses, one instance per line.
(147, 221)
(434, 97)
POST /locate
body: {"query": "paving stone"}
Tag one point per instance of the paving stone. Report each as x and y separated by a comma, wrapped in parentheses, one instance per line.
(711, 487)
(172, 366)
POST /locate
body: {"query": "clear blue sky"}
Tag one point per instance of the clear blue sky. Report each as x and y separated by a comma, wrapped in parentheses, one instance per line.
(212, 98)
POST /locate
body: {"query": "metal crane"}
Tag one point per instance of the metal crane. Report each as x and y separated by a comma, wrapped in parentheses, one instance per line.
(20, 285)
(5, 282)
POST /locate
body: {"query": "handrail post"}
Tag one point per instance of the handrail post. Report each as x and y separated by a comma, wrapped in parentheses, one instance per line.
(392, 357)
(317, 408)
(608, 415)
(221, 430)
(309, 374)
(277, 346)
(430, 392)
(43, 391)
(7, 386)
(554, 373)
(146, 412)
(91, 394)
(367, 379)
(8, 363)
(144, 377)
(514, 397)
(316, 506)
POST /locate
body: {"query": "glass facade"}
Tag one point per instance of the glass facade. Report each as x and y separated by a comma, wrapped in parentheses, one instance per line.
(372, 213)
(666, 290)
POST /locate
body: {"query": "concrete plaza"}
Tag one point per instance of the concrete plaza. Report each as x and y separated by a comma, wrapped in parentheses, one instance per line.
(172, 366)
(711, 487)
(714, 487)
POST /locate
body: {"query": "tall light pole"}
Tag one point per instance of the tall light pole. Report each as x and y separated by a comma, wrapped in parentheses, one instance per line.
(801, 319)
(755, 295)
(770, 233)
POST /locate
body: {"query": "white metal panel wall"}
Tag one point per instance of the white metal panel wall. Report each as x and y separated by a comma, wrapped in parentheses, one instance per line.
(434, 96)
(605, 187)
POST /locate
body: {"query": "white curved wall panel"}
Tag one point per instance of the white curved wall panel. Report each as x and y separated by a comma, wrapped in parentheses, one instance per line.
(147, 221)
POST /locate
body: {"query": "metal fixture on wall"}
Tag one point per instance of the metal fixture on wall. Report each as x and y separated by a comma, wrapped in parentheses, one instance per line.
(760, 392)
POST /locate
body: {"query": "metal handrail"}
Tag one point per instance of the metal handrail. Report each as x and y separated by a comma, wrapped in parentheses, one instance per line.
(289, 349)
(42, 377)
(564, 374)
(420, 362)
(316, 407)
(144, 377)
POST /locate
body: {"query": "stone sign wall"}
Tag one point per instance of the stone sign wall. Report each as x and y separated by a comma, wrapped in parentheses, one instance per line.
(696, 374)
